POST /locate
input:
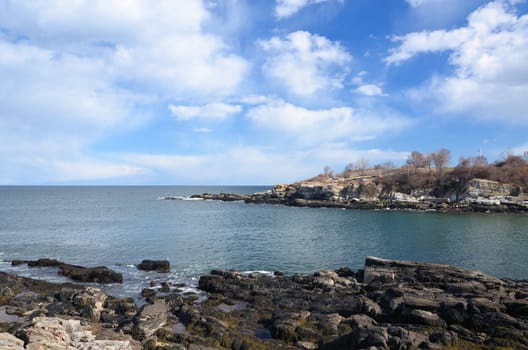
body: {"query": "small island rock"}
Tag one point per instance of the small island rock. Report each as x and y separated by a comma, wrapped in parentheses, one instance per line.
(154, 265)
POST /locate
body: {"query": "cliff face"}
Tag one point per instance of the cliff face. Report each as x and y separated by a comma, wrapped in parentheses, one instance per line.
(475, 195)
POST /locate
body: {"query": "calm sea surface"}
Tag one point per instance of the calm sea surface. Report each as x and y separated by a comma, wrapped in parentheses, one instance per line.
(120, 226)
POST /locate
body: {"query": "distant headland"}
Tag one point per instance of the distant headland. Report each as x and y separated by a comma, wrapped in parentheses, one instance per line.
(424, 183)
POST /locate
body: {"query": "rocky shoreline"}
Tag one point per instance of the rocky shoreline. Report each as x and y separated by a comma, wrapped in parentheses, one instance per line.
(480, 196)
(387, 305)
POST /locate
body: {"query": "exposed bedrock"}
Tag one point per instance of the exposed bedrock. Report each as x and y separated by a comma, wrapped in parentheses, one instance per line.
(388, 305)
(476, 195)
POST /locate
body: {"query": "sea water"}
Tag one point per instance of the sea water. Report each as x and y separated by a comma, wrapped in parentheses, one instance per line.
(118, 226)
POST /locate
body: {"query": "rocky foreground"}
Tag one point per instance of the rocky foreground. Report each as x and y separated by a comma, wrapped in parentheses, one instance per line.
(388, 305)
(477, 195)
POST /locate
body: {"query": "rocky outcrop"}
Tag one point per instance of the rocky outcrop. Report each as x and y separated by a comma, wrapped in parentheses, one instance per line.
(226, 197)
(154, 265)
(99, 274)
(10, 342)
(476, 195)
(390, 304)
(59, 333)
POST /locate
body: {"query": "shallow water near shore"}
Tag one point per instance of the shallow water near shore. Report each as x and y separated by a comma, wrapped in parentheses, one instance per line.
(118, 226)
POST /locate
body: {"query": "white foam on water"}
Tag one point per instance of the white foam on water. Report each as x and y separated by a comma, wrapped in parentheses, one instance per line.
(181, 198)
(260, 272)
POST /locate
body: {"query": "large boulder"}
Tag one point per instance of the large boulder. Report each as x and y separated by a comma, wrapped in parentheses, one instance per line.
(154, 265)
(99, 274)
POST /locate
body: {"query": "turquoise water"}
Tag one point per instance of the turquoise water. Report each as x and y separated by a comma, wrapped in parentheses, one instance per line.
(120, 226)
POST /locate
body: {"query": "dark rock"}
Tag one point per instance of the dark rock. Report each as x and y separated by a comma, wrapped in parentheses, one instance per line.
(345, 272)
(99, 274)
(446, 338)
(61, 308)
(225, 197)
(154, 265)
(399, 305)
(517, 308)
(45, 262)
(165, 288)
(148, 293)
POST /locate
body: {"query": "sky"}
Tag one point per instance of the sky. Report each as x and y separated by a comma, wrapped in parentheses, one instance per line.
(247, 92)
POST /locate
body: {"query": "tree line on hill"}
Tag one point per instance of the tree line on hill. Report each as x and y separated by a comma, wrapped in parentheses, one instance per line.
(423, 170)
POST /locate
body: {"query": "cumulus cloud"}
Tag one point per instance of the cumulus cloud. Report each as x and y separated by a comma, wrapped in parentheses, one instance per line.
(319, 126)
(287, 8)
(64, 78)
(217, 110)
(489, 55)
(370, 90)
(305, 63)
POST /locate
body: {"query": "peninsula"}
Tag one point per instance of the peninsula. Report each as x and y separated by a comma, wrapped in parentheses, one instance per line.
(421, 184)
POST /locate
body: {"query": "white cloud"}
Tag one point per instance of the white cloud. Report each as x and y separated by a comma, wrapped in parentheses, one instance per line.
(311, 127)
(287, 8)
(251, 165)
(418, 3)
(305, 63)
(489, 55)
(370, 90)
(203, 130)
(424, 42)
(254, 99)
(217, 110)
(87, 169)
(161, 45)
(67, 83)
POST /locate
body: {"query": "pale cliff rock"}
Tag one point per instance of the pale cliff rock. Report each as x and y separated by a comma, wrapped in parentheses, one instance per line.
(491, 193)
(366, 192)
(10, 342)
(58, 333)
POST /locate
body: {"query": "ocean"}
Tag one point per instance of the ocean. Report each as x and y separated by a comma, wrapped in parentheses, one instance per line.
(119, 226)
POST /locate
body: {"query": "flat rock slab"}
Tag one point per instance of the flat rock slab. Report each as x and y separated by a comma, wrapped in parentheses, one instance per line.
(57, 333)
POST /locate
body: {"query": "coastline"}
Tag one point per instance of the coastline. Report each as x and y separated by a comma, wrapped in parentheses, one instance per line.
(389, 305)
(478, 196)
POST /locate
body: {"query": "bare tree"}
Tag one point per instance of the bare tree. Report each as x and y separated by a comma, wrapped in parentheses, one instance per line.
(349, 170)
(440, 159)
(416, 160)
(328, 172)
(362, 165)
(479, 161)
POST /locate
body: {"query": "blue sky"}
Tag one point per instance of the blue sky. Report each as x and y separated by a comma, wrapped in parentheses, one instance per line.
(253, 92)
